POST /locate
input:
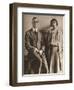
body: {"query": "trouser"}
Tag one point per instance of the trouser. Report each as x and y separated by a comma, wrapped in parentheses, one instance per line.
(42, 59)
(54, 60)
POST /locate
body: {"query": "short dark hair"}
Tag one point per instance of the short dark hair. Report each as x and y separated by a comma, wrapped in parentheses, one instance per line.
(33, 19)
(54, 20)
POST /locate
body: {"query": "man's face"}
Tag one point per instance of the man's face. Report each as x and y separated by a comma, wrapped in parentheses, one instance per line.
(35, 23)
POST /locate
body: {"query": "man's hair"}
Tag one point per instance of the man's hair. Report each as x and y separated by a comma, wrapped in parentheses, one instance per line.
(35, 18)
(51, 22)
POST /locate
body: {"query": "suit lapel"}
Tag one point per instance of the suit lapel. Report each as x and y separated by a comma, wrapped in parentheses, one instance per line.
(36, 38)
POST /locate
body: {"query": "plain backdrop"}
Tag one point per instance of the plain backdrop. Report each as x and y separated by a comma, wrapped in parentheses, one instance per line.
(44, 21)
(4, 46)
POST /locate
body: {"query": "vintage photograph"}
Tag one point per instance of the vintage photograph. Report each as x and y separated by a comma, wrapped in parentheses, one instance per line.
(43, 43)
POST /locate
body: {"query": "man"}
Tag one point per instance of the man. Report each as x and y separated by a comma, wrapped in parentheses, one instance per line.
(34, 45)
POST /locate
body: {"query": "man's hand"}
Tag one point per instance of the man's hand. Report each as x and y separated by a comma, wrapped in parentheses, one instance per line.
(36, 50)
(41, 52)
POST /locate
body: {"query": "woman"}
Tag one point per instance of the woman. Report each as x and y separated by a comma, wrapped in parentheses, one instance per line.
(53, 42)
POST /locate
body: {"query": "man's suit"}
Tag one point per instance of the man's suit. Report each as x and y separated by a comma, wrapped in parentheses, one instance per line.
(33, 40)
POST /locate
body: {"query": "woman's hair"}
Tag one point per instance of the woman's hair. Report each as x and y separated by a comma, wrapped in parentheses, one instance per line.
(51, 22)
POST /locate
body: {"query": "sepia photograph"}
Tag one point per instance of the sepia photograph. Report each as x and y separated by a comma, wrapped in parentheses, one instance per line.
(43, 44)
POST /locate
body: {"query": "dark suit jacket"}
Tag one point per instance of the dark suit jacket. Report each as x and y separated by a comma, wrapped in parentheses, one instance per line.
(33, 40)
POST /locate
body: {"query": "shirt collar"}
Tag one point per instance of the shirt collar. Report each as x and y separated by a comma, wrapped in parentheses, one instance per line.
(35, 30)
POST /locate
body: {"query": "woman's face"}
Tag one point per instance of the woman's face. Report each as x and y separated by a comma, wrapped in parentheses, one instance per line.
(54, 24)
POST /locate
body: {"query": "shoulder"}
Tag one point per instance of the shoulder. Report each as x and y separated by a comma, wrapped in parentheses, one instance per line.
(28, 31)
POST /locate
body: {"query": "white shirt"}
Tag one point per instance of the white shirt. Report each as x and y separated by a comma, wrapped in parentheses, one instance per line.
(35, 29)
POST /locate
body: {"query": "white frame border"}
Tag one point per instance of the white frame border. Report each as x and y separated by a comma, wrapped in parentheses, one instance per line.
(36, 78)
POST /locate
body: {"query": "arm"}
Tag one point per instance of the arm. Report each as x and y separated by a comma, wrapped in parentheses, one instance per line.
(27, 42)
